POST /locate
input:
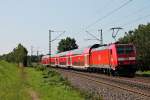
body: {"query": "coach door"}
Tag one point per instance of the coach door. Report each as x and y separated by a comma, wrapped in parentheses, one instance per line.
(68, 61)
(86, 60)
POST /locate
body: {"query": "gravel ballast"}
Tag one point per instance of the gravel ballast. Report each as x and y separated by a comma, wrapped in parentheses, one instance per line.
(101, 90)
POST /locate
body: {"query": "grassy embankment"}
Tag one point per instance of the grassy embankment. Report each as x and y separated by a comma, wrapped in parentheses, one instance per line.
(51, 86)
(12, 86)
(47, 84)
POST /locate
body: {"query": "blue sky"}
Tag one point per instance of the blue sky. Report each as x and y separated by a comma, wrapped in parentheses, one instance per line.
(28, 21)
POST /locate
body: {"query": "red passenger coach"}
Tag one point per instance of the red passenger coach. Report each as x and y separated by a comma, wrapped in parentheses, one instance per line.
(52, 60)
(64, 59)
(79, 58)
(45, 60)
(113, 58)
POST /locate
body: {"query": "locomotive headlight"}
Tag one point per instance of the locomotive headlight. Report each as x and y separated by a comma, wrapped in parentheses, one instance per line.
(131, 58)
(122, 59)
(128, 58)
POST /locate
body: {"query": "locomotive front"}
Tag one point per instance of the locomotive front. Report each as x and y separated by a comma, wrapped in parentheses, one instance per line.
(126, 58)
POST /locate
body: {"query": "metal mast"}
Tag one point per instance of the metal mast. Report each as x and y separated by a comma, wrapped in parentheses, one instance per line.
(114, 34)
(101, 36)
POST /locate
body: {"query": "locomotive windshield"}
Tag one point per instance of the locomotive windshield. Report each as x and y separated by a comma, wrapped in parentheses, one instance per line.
(125, 49)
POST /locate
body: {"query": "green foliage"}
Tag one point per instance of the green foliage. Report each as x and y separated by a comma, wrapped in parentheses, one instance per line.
(67, 44)
(12, 86)
(143, 74)
(17, 82)
(51, 86)
(39, 67)
(140, 37)
(18, 55)
(21, 53)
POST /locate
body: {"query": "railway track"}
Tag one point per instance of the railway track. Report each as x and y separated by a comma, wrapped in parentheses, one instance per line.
(122, 80)
(138, 88)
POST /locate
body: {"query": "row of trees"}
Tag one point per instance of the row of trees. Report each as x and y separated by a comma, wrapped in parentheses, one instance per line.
(140, 37)
(18, 55)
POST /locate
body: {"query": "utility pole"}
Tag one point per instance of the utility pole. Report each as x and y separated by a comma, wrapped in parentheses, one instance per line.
(31, 54)
(50, 31)
(101, 36)
(50, 40)
(38, 56)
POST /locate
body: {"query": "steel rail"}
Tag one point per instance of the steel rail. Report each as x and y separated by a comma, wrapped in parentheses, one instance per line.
(106, 83)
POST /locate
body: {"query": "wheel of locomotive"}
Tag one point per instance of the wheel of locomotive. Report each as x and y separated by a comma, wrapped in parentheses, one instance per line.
(109, 73)
(114, 73)
(89, 69)
(103, 70)
(68, 67)
(131, 74)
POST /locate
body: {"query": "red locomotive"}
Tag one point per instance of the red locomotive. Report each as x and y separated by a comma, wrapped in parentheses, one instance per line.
(113, 58)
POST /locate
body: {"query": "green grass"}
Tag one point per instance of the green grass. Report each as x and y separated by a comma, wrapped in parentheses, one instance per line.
(17, 83)
(143, 73)
(51, 86)
(146, 72)
(12, 87)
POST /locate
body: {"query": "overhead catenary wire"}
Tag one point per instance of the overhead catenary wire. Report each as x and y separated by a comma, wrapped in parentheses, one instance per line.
(138, 19)
(135, 20)
(128, 23)
(132, 13)
(108, 14)
(105, 16)
(92, 35)
(58, 36)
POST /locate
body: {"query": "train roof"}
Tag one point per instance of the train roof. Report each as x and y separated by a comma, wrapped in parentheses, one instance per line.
(63, 53)
(78, 51)
(84, 50)
(45, 56)
(101, 47)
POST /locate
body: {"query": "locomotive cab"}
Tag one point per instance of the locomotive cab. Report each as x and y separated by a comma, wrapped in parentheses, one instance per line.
(126, 58)
(125, 54)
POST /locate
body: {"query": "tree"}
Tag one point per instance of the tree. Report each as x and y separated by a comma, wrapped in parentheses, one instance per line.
(18, 55)
(140, 37)
(67, 44)
(21, 55)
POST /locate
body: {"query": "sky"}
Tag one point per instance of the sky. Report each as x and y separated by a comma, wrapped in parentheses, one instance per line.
(28, 21)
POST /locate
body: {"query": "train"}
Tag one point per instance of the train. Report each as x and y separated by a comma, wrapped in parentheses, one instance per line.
(114, 59)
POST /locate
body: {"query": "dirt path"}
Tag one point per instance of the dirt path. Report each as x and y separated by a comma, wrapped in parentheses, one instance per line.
(33, 94)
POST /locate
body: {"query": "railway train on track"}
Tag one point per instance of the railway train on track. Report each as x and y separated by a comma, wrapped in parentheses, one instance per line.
(115, 59)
